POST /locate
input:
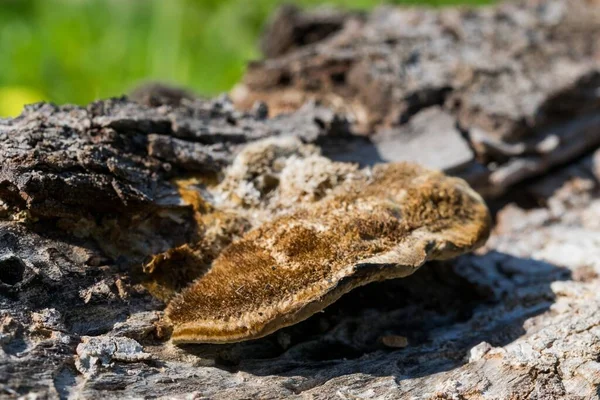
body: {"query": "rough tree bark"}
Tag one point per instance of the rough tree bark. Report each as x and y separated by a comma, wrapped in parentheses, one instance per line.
(504, 86)
(89, 193)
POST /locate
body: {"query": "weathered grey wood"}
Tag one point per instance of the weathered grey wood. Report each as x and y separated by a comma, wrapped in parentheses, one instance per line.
(517, 79)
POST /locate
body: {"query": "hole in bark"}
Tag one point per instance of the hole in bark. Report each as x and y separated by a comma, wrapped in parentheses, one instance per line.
(12, 270)
(338, 78)
(285, 79)
(231, 121)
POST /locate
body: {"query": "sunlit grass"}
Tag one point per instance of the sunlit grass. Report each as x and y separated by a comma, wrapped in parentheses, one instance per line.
(75, 51)
(12, 98)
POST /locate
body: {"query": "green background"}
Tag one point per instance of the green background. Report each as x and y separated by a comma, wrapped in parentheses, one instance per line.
(75, 51)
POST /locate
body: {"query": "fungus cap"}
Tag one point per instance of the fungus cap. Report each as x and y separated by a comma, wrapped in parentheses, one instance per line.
(384, 224)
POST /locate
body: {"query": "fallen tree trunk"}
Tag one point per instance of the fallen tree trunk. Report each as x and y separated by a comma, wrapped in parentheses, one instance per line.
(89, 193)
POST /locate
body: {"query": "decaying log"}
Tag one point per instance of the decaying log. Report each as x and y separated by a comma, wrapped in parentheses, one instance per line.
(89, 194)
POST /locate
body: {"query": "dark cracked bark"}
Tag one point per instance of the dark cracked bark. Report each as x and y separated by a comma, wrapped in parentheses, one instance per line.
(88, 193)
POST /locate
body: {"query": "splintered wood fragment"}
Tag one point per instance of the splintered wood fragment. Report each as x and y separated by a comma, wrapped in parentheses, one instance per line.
(384, 224)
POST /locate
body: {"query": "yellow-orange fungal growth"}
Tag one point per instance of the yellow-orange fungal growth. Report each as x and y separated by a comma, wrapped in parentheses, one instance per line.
(382, 224)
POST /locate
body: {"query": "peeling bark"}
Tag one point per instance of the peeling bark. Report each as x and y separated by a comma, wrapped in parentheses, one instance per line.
(519, 81)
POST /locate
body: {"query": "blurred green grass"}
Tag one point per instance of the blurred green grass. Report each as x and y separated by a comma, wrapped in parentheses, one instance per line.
(75, 51)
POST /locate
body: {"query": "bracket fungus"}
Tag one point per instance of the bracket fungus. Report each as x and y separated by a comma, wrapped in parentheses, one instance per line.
(381, 223)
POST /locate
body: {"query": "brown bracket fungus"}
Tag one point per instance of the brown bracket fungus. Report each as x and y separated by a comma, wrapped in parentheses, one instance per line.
(382, 224)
